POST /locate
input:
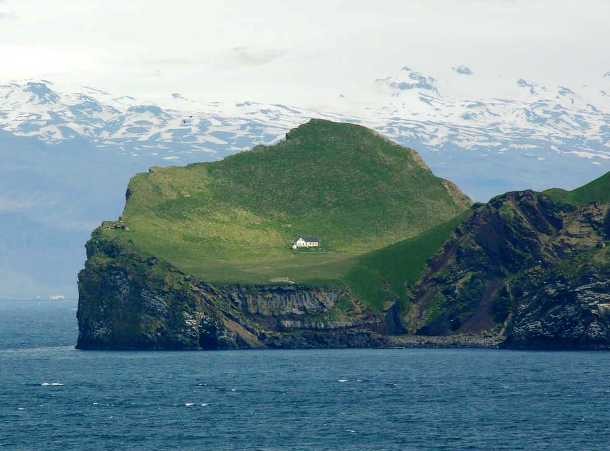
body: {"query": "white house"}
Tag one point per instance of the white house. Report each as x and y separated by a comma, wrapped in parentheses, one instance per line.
(305, 242)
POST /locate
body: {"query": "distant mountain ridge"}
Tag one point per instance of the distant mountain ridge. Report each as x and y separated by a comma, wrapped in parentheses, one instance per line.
(410, 107)
(37, 109)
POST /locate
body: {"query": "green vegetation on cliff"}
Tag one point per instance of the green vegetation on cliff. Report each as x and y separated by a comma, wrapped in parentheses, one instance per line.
(232, 221)
(596, 191)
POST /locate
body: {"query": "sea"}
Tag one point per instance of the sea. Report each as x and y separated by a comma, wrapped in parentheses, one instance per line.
(54, 397)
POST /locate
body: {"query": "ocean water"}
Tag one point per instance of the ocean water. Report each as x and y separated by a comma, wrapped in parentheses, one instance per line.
(55, 397)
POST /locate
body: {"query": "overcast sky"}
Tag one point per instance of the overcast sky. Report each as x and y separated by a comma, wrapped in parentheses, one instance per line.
(296, 52)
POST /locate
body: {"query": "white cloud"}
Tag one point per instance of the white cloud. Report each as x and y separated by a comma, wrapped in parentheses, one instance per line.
(5, 13)
(256, 57)
(289, 52)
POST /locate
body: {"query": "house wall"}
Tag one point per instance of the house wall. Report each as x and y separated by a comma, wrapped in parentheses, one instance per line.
(303, 243)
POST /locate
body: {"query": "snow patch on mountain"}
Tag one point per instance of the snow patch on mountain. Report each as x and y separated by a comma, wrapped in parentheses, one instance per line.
(408, 80)
(463, 70)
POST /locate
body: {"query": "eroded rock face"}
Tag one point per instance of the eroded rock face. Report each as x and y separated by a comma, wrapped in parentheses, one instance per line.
(131, 302)
(282, 302)
(559, 312)
(531, 269)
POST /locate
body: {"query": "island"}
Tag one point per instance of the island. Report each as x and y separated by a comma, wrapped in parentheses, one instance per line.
(339, 237)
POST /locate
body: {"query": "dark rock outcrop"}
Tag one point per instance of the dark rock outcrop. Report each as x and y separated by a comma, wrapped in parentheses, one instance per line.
(532, 270)
(562, 312)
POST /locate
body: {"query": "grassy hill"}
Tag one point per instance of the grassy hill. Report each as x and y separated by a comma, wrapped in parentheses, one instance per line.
(387, 273)
(232, 221)
(596, 191)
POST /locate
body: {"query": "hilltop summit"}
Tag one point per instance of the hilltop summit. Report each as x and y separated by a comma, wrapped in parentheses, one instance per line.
(232, 220)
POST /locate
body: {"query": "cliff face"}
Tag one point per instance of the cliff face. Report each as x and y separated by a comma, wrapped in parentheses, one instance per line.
(562, 312)
(129, 301)
(532, 270)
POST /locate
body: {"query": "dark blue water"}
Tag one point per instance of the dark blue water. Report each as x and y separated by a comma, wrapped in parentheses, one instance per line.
(54, 397)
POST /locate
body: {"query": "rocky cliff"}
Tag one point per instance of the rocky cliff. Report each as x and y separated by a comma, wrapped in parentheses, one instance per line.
(532, 270)
(131, 301)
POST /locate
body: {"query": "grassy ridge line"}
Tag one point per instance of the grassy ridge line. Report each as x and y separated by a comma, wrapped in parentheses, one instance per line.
(386, 274)
(596, 191)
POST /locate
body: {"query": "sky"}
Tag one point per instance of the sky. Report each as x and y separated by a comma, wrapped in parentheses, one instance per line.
(301, 53)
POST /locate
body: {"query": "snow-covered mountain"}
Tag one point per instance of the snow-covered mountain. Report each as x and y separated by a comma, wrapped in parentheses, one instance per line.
(176, 126)
(535, 116)
(67, 153)
(410, 107)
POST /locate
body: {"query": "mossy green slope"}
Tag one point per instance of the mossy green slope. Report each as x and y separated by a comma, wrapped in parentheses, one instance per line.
(232, 221)
(596, 191)
(389, 273)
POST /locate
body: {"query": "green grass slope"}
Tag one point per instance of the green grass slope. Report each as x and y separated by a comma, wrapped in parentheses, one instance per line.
(387, 274)
(596, 191)
(232, 221)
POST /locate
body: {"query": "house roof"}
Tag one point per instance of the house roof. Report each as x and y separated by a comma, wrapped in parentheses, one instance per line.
(309, 238)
